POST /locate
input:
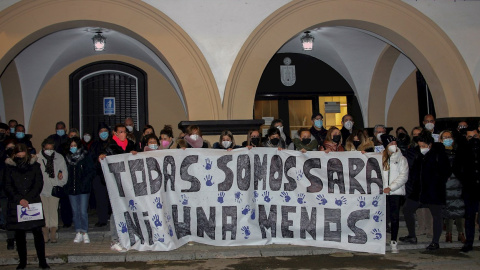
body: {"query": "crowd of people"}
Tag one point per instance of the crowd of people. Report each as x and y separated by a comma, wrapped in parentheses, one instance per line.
(432, 175)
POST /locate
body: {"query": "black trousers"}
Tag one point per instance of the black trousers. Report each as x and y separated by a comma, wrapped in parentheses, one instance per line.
(101, 198)
(21, 239)
(393, 211)
(66, 211)
(409, 210)
(471, 208)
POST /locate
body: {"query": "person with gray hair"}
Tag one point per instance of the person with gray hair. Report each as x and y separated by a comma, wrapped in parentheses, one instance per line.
(378, 131)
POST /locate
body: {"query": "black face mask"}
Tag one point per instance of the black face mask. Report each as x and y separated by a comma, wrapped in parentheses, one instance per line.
(474, 143)
(402, 136)
(9, 152)
(415, 139)
(2, 136)
(275, 141)
(306, 141)
(19, 161)
(255, 141)
(356, 144)
(336, 138)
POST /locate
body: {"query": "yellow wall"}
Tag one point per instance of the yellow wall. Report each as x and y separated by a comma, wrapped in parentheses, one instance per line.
(164, 106)
(12, 94)
(403, 110)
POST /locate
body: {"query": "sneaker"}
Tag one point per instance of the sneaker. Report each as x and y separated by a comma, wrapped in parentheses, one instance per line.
(78, 238)
(117, 247)
(393, 246)
(466, 248)
(408, 239)
(86, 239)
(433, 246)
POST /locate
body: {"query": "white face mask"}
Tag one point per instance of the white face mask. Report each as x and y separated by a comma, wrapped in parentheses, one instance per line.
(280, 128)
(348, 125)
(430, 126)
(392, 148)
(194, 137)
(153, 146)
(130, 128)
(424, 151)
(48, 152)
(226, 144)
(379, 136)
(87, 138)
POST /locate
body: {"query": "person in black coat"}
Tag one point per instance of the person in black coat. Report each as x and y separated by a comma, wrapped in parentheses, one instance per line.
(23, 185)
(467, 169)
(78, 187)
(118, 144)
(431, 171)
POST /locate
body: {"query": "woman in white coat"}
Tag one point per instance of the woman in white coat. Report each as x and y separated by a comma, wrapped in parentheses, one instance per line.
(54, 170)
(395, 175)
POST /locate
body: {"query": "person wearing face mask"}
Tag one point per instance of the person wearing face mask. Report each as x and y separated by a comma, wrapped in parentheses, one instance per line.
(317, 129)
(118, 144)
(11, 130)
(23, 185)
(193, 138)
(4, 154)
(133, 134)
(278, 123)
(99, 185)
(403, 140)
(80, 174)
(333, 141)
(431, 171)
(304, 141)
(87, 140)
(347, 127)
(467, 169)
(459, 134)
(253, 139)
(55, 173)
(455, 207)
(429, 124)
(151, 142)
(395, 175)
(60, 137)
(167, 140)
(378, 131)
(274, 139)
(357, 141)
(21, 137)
(147, 130)
(226, 141)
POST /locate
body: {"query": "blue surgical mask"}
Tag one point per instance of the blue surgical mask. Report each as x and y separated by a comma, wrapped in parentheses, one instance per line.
(73, 150)
(12, 130)
(448, 142)
(153, 146)
(103, 135)
(20, 135)
(318, 123)
(60, 132)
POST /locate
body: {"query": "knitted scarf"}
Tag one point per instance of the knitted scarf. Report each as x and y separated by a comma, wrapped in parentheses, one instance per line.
(73, 159)
(49, 166)
(120, 143)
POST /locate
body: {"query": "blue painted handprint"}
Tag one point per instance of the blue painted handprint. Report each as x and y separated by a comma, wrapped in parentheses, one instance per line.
(377, 233)
(167, 217)
(285, 196)
(361, 201)
(322, 199)
(246, 231)
(208, 180)
(221, 195)
(266, 196)
(301, 198)
(238, 197)
(123, 227)
(341, 201)
(170, 230)
(252, 215)
(208, 164)
(158, 203)
(245, 210)
(184, 199)
(132, 204)
(255, 196)
(156, 221)
(159, 238)
(377, 216)
(299, 175)
(375, 200)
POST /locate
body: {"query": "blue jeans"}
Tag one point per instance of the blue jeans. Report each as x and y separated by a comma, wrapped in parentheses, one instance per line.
(80, 214)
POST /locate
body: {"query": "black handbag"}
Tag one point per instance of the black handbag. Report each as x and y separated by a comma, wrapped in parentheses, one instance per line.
(58, 191)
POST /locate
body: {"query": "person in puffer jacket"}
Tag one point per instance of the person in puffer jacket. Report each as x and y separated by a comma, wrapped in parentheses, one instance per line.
(395, 175)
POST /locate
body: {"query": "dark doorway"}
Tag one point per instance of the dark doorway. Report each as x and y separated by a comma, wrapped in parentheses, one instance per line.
(120, 82)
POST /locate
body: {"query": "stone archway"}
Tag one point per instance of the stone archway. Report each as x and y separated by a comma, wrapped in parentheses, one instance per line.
(416, 35)
(25, 22)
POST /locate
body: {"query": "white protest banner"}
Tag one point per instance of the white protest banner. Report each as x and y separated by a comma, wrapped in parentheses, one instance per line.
(164, 199)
